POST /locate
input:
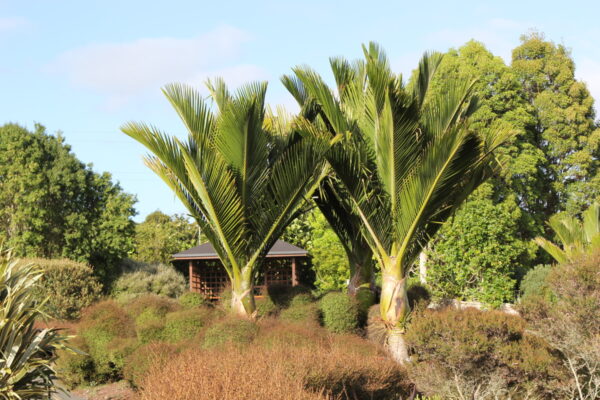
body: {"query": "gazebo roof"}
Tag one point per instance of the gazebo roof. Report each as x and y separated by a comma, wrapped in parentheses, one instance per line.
(206, 251)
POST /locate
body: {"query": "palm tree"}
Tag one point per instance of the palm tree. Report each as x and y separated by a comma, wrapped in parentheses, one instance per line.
(242, 173)
(407, 162)
(577, 236)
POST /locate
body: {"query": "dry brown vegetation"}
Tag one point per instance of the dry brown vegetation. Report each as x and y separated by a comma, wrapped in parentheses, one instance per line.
(286, 362)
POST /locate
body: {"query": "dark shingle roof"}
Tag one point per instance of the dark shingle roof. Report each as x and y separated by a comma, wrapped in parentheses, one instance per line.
(207, 251)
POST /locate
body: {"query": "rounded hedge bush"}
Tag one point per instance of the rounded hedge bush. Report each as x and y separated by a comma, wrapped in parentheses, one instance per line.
(340, 312)
(68, 286)
(301, 313)
(159, 305)
(142, 278)
(193, 299)
(184, 325)
(150, 330)
(230, 331)
(282, 295)
(265, 306)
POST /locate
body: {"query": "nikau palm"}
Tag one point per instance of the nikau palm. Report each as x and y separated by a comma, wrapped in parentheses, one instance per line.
(577, 237)
(407, 162)
(242, 173)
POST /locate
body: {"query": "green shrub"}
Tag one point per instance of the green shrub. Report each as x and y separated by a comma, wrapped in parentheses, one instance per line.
(340, 312)
(225, 298)
(75, 369)
(282, 295)
(100, 325)
(150, 329)
(141, 278)
(141, 359)
(534, 282)
(230, 330)
(467, 353)
(184, 325)
(301, 299)
(158, 305)
(69, 286)
(301, 313)
(193, 299)
(118, 351)
(265, 306)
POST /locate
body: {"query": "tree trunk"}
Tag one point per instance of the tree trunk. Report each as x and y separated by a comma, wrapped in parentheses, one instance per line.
(395, 309)
(360, 277)
(423, 266)
(242, 295)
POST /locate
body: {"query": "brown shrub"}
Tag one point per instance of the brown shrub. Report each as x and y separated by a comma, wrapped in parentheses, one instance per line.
(569, 319)
(159, 305)
(479, 355)
(138, 363)
(333, 367)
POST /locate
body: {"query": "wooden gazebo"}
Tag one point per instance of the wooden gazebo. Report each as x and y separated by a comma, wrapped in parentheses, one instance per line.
(286, 265)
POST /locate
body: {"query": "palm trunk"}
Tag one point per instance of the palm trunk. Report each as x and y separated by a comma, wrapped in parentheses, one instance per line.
(395, 309)
(242, 294)
(360, 277)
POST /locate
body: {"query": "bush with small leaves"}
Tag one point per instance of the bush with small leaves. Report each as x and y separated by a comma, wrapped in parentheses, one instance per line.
(193, 299)
(186, 324)
(75, 368)
(301, 313)
(141, 359)
(151, 303)
(476, 354)
(141, 278)
(282, 295)
(534, 283)
(150, 329)
(265, 307)
(69, 286)
(340, 312)
(230, 330)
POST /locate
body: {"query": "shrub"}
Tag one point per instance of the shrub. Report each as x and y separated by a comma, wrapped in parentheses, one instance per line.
(151, 304)
(100, 325)
(69, 286)
(282, 295)
(140, 360)
(340, 312)
(534, 282)
(365, 298)
(418, 295)
(328, 369)
(301, 313)
(570, 320)
(150, 329)
(193, 299)
(225, 298)
(27, 354)
(75, 369)
(141, 278)
(184, 325)
(477, 354)
(265, 306)
(230, 330)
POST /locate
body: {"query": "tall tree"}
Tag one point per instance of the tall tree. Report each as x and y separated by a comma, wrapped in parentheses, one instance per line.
(242, 174)
(408, 161)
(565, 131)
(160, 236)
(52, 205)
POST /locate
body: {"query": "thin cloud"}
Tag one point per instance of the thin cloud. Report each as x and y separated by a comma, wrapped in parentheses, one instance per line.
(122, 71)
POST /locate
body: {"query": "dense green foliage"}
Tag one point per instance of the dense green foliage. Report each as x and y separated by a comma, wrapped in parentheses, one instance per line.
(54, 206)
(28, 353)
(534, 282)
(140, 278)
(160, 236)
(549, 165)
(312, 232)
(193, 299)
(479, 255)
(230, 331)
(481, 354)
(340, 312)
(67, 287)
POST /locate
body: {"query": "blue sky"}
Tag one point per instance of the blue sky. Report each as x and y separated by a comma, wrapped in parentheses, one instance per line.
(86, 67)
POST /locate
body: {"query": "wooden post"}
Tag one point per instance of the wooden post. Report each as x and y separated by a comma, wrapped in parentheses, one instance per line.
(294, 275)
(191, 275)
